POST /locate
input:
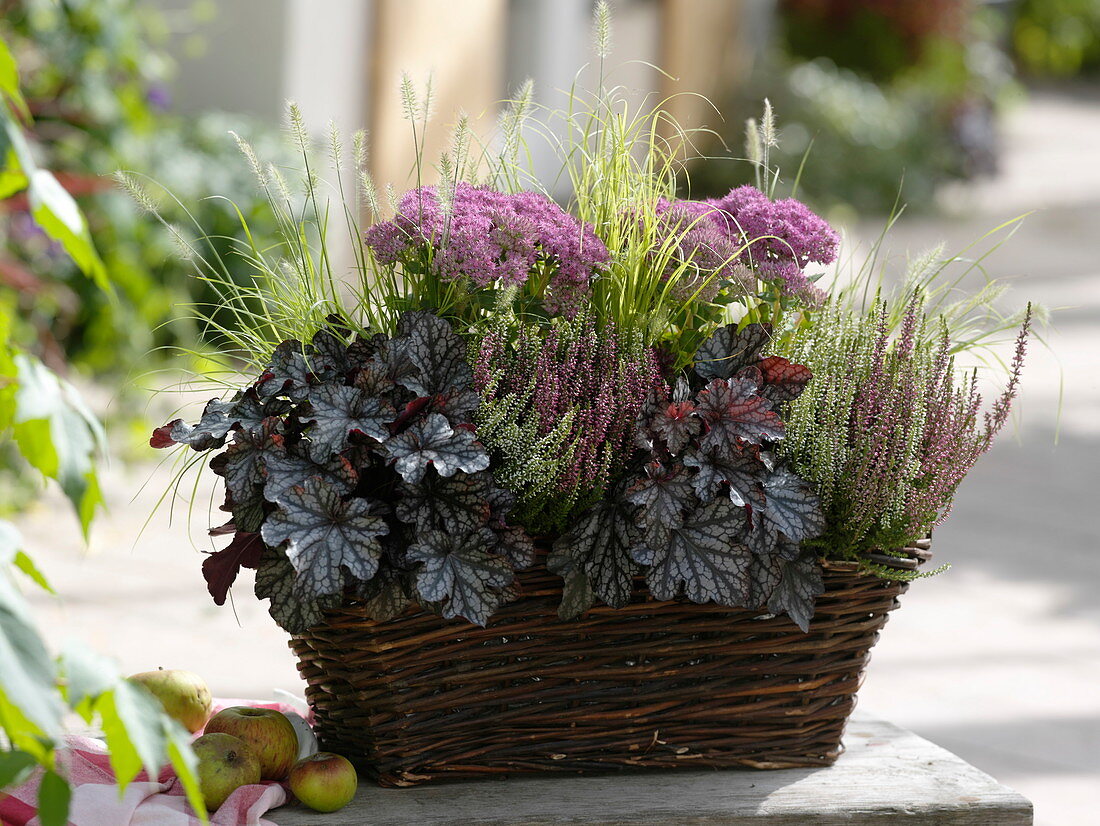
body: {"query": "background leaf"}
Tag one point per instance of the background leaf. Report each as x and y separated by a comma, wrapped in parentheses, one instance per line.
(53, 800)
(55, 211)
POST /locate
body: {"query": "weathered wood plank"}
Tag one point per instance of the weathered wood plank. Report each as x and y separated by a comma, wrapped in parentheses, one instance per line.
(886, 776)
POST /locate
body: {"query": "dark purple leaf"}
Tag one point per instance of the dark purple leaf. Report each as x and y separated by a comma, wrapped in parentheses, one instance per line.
(220, 569)
(515, 545)
(732, 410)
(663, 495)
(576, 594)
(783, 380)
(728, 350)
(291, 469)
(434, 443)
(387, 595)
(597, 546)
(461, 569)
(288, 373)
(677, 424)
(760, 535)
(700, 557)
(326, 535)
(242, 465)
(796, 593)
(294, 611)
(765, 573)
(742, 470)
(792, 507)
(455, 503)
(337, 411)
(438, 353)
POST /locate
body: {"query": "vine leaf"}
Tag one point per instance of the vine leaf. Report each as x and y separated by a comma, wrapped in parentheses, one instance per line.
(598, 547)
(700, 558)
(337, 411)
(458, 568)
(791, 506)
(220, 569)
(728, 350)
(796, 593)
(326, 535)
(733, 410)
(294, 611)
(434, 443)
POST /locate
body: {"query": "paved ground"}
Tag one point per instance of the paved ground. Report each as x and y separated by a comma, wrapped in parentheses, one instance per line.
(998, 660)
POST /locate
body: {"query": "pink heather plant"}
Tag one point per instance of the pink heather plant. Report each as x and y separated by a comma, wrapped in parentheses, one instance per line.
(491, 238)
(888, 428)
(558, 412)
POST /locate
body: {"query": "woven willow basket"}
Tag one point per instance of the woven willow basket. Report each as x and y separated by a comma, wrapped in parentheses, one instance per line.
(652, 685)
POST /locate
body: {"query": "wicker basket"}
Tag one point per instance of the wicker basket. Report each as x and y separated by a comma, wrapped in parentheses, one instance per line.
(654, 684)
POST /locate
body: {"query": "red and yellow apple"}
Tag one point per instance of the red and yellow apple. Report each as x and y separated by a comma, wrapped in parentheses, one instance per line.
(225, 764)
(184, 695)
(268, 733)
(324, 781)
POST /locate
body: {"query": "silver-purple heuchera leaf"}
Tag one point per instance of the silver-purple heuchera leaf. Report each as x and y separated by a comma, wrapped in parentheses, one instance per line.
(741, 473)
(293, 467)
(294, 611)
(791, 506)
(677, 424)
(797, 592)
(700, 558)
(243, 466)
(455, 502)
(663, 495)
(438, 353)
(326, 536)
(598, 547)
(728, 350)
(386, 595)
(461, 571)
(338, 411)
(433, 443)
(732, 410)
(287, 374)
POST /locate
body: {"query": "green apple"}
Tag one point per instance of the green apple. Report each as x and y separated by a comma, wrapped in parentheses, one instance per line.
(184, 695)
(225, 764)
(324, 781)
(269, 734)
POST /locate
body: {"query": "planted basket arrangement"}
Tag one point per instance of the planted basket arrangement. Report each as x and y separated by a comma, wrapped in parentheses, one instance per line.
(612, 485)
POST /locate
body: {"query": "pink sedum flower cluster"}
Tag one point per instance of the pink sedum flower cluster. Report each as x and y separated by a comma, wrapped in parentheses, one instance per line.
(781, 238)
(491, 237)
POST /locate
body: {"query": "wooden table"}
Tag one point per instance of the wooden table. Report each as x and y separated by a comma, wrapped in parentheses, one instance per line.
(887, 775)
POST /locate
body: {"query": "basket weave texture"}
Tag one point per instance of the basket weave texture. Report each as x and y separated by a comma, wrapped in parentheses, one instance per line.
(653, 684)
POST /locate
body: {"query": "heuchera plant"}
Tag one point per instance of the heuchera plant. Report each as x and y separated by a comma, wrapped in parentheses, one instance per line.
(352, 470)
(706, 511)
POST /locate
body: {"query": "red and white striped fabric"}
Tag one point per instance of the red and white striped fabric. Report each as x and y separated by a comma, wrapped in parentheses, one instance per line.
(146, 802)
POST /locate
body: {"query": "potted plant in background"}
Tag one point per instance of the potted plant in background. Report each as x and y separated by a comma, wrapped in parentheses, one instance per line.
(567, 489)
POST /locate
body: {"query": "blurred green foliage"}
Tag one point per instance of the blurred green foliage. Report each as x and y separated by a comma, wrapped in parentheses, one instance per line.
(96, 80)
(888, 99)
(1056, 38)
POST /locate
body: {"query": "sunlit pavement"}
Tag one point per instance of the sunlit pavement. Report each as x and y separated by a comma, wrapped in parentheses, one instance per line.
(997, 660)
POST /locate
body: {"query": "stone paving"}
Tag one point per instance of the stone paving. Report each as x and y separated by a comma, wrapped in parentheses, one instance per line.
(998, 660)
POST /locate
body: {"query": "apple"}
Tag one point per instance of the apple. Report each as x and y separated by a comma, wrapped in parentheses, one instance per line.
(184, 695)
(269, 734)
(225, 764)
(324, 781)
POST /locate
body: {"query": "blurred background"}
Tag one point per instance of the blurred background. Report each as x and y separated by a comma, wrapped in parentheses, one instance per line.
(970, 113)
